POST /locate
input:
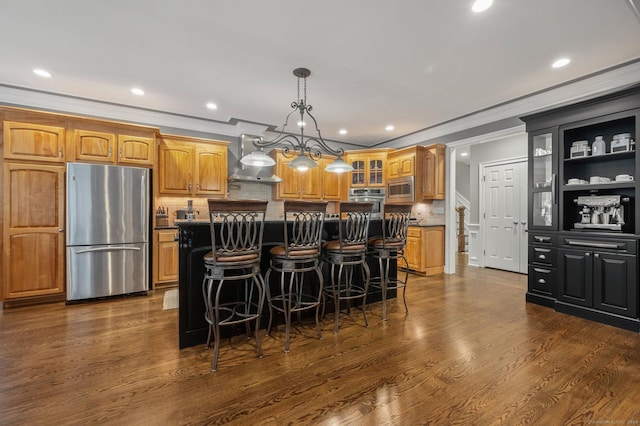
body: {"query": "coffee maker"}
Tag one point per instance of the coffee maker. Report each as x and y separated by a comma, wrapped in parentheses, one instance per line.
(601, 212)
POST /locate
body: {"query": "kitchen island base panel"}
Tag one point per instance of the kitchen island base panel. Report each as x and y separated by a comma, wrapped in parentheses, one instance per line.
(195, 242)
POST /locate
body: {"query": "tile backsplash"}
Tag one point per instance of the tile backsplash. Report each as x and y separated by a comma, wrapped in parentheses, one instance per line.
(428, 213)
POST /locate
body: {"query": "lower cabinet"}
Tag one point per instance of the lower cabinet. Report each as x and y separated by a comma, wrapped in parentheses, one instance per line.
(425, 250)
(586, 275)
(165, 257)
(600, 280)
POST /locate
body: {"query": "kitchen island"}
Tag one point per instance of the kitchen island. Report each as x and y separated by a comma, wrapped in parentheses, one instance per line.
(195, 242)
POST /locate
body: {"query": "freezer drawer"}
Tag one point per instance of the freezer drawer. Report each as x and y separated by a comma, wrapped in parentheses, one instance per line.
(107, 270)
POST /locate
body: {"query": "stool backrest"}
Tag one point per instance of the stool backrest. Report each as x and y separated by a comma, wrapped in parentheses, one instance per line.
(395, 225)
(354, 223)
(236, 226)
(303, 225)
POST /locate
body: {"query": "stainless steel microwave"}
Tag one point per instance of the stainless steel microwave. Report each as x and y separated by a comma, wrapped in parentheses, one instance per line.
(401, 190)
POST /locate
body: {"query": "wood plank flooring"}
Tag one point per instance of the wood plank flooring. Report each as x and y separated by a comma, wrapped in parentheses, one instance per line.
(470, 351)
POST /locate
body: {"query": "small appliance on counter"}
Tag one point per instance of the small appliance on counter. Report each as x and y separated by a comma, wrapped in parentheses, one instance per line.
(579, 149)
(601, 212)
(188, 213)
(622, 142)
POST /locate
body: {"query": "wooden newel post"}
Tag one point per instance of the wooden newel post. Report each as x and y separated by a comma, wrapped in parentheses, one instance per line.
(460, 211)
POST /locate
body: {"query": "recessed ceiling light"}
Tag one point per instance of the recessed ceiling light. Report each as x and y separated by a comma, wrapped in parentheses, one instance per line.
(561, 62)
(42, 73)
(481, 5)
(389, 128)
(211, 105)
(137, 91)
(343, 131)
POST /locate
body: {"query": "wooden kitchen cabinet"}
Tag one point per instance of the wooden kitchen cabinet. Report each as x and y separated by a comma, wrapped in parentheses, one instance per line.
(34, 142)
(402, 162)
(33, 231)
(165, 257)
(312, 184)
(191, 167)
(434, 172)
(369, 168)
(425, 250)
(112, 148)
(332, 183)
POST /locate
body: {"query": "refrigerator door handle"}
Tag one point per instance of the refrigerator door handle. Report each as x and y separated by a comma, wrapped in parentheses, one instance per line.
(108, 249)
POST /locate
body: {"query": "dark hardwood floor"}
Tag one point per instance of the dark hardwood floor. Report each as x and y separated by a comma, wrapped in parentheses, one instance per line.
(470, 351)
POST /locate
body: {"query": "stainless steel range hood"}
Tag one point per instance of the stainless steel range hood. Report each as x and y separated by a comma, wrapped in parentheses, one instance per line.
(243, 173)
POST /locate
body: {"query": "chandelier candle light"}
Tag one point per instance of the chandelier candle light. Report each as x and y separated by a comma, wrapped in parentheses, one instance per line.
(309, 149)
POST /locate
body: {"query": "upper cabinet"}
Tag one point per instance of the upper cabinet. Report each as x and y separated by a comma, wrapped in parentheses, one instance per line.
(192, 167)
(369, 168)
(402, 162)
(34, 141)
(107, 147)
(312, 184)
(434, 172)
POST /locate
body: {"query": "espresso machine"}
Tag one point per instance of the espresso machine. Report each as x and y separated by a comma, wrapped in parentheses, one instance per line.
(601, 212)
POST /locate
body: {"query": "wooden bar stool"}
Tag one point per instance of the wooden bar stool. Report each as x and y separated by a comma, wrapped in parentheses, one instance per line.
(233, 288)
(390, 245)
(344, 256)
(299, 254)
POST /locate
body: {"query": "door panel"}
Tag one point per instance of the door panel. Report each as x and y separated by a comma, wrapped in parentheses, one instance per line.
(505, 217)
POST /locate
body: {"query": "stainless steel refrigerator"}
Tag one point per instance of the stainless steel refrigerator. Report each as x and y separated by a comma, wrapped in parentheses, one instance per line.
(107, 230)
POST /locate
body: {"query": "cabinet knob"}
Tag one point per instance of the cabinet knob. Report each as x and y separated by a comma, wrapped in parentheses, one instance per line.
(596, 255)
(60, 230)
(524, 222)
(542, 281)
(542, 256)
(587, 254)
(515, 222)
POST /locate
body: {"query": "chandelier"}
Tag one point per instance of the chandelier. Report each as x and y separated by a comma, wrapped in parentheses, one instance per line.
(307, 149)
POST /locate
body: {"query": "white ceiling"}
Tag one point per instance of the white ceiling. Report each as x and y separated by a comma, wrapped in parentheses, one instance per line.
(410, 63)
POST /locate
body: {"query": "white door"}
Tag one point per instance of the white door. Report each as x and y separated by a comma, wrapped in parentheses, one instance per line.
(505, 216)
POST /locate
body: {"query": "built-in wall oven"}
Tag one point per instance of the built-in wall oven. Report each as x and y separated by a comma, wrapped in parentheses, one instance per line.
(369, 195)
(401, 190)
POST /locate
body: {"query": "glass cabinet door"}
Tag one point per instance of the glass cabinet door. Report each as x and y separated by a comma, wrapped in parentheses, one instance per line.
(542, 180)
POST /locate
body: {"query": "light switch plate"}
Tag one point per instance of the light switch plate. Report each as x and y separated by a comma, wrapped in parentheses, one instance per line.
(438, 210)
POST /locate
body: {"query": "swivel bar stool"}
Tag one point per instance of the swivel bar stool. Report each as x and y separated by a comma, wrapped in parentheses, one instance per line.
(233, 288)
(300, 253)
(390, 246)
(344, 256)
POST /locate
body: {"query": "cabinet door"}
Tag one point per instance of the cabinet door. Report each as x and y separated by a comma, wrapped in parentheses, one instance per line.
(358, 174)
(97, 147)
(135, 150)
(434, 249)
(433, 178)
(311, 179)
(331, 182)
(289, 187)
(543, 169)
(376, 172)
(174, 167)
(33, 230)
(167, 256)
(413, 251)
(25, 141)
(614, 284)
(211, 171)
(576, 281)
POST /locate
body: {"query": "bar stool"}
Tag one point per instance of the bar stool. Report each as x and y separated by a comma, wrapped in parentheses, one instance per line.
(344, 255)
(233, 288)
(390, 246)
(300, 253)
